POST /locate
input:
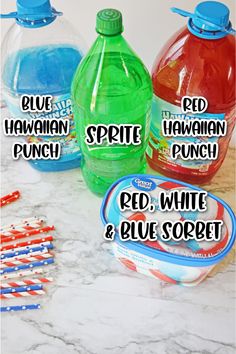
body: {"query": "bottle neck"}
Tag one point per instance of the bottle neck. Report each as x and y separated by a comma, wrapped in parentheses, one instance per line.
(111, 39)
(115, 43)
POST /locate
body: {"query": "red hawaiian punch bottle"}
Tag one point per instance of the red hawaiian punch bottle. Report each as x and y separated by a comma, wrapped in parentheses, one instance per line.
(199, 60)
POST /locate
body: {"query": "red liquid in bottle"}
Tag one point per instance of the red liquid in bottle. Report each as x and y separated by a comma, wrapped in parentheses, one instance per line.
(192, 66)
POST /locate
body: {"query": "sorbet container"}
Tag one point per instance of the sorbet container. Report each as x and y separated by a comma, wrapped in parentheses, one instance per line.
(186, 263)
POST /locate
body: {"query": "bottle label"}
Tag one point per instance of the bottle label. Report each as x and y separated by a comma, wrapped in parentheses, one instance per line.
(115, 141)
(61, 110)
(159, 148)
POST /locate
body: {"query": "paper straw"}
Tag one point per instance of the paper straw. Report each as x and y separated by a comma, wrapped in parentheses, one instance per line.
(46, 244)
(21, 289)
(25, 251)
(20, 308)
(10, 195)
(26, 234)
(18, 250)
(27, 266)
(23, 294)
(19, 229)
(8, 201)
(23, 282)
(9, 198)
(26, 243)
(17, 258)
(31, 220)
(26, 260)
(21, 274)
(24, 223)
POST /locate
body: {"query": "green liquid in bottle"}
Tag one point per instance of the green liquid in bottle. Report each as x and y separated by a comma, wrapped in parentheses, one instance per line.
(111, 86)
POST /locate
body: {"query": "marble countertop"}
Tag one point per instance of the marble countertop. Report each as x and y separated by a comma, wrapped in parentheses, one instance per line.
(96, 306)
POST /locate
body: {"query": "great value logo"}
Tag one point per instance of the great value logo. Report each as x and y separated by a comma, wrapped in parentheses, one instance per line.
(144, 184)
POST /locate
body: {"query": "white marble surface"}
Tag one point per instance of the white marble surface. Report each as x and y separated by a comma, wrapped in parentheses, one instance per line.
(95, 306)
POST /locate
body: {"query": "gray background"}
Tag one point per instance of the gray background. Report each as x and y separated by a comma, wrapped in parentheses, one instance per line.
(148, 24)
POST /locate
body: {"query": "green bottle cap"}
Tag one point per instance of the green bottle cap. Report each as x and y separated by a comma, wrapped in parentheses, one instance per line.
(109, 22)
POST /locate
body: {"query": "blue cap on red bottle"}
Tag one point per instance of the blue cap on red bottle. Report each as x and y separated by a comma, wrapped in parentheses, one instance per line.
(210, 20)
(36, 13)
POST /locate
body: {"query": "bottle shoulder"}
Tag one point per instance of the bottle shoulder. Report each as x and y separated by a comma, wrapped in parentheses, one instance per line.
(186, 49)
(189, 65)
(58, 32)
(111, 63)
(40, 60)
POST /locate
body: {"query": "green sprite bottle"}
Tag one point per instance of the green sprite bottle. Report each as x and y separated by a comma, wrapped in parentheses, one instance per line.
(111, 86)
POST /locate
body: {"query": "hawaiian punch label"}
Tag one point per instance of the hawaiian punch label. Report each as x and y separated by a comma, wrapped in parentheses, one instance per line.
(61, 109)
(159, 148)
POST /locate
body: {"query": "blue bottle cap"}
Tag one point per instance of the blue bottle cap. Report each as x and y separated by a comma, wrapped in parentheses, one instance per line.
(210, 20)
(36, 13)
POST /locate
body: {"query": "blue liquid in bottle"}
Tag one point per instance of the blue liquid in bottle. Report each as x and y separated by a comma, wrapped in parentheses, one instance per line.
(45, 70)
(44, 63)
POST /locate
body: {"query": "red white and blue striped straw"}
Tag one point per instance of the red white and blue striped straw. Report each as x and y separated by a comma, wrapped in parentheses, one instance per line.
(21, 289)
(24, 273)
(31, 220)
(36, 241)
(29, 233)
(46, 244)
(27, 266)
(28, 247)
(18, 229)
(26, 250)
(20, 308)
(30, 259)
(21, 222)
(14, 284)
(31, 254)
(22, 294)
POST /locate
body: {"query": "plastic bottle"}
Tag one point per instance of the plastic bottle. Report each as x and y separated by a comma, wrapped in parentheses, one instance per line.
(199, 60)
(40, 55)
(111, 86)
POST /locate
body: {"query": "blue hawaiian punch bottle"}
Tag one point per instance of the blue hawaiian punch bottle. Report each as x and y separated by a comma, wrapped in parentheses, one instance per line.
(41, 52)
